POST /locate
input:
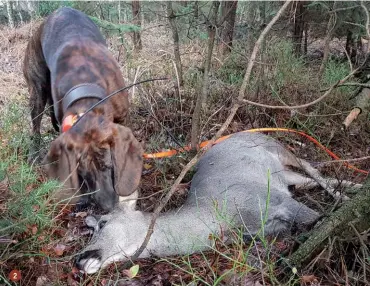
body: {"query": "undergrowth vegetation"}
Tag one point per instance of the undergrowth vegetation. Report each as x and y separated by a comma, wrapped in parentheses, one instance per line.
(37, 233)
(26, 214)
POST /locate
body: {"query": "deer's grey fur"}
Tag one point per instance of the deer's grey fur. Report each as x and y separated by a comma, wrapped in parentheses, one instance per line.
(229, 189)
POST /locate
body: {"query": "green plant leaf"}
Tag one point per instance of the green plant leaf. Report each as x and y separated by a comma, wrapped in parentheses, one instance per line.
(134, 270)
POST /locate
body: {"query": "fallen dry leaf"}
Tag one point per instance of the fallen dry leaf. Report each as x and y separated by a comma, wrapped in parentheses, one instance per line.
(308, 279)
(147, 166)
(75, 270)
(42, 281)
(71, 281)
(34, 229)
(59, 249)
(81, 214)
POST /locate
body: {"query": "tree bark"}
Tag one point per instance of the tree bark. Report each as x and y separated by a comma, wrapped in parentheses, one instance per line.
(355, 211)
(175, 36)
(9, 10)
(250, 21)
(298, 27)
(228, 12)
(136, 20)
(349, 42)
(305, 44)
(201, 99)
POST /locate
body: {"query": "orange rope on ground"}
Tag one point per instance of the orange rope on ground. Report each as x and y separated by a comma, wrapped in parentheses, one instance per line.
(170, 153)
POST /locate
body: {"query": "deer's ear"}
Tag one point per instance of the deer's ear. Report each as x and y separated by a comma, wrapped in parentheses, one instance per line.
(92, 222)
(97, 222)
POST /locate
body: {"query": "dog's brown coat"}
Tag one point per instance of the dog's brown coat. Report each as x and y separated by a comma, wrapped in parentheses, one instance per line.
(67, 50)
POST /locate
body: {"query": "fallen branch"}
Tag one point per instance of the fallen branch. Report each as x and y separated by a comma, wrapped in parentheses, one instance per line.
(350, 84)
(356, 212)
(326, 94)
(218, 134)
(362, 105)
(352, 116)
(345, 160)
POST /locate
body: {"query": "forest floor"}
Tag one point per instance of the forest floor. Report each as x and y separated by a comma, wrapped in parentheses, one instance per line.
(42, 248)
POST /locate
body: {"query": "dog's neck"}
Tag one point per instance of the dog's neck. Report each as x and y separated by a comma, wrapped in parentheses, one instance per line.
(78, 92)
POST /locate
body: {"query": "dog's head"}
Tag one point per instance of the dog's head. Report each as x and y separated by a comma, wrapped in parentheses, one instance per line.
(98, 155)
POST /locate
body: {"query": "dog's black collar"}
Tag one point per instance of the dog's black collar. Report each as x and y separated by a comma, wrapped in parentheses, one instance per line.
(80, 91)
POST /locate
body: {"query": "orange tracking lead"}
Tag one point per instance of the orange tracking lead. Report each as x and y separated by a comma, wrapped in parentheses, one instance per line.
(173, 152)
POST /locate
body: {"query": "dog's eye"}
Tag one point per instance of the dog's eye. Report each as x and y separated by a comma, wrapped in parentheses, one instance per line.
(102, 224)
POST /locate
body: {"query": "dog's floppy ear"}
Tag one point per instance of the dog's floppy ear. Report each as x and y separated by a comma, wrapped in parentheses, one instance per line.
(127, 159)
(60, 163)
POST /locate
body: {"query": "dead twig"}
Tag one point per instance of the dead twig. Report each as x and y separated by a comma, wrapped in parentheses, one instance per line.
(350, 84)
(218, 134)
(345, 160)
(352, 116)
(364, 249)
(326, 94)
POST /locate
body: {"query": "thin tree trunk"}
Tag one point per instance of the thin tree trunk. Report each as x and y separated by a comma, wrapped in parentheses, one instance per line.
(305, 45)
(349, 42)
(260, 74)
(356, 47)
(136, 20)
(196, 10)
(175, 36)
(119, 12)
(126, 15)
(9, 9)
(201, 99)
(298, 27)
(228, 9)
(250, 21)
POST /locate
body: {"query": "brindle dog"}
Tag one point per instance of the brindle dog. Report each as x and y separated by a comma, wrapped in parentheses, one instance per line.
(68, 66)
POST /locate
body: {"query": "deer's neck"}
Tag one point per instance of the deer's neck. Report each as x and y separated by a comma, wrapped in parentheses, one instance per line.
(182, 232)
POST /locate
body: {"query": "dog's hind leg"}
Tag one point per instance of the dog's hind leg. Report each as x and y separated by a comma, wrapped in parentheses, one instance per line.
(37, 76)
